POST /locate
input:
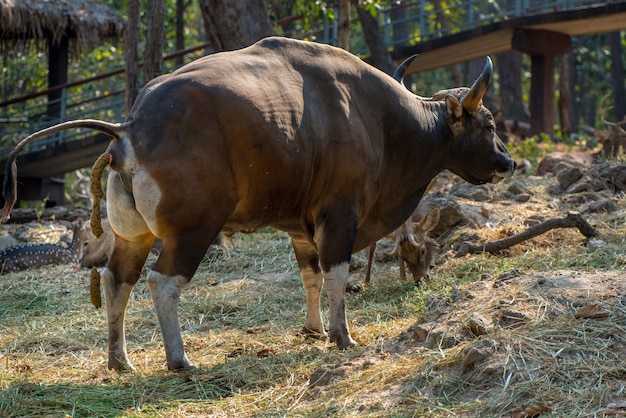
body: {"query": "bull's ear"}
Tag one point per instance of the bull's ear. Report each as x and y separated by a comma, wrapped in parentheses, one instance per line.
(454, 113)
(453, 108)
(471, 101)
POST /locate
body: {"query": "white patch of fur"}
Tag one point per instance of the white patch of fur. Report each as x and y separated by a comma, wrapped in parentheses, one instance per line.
(121, 212)
(147, 196)
(312, 283)
(165, 291)
(116, 296)
(131, 214)
(336, 280)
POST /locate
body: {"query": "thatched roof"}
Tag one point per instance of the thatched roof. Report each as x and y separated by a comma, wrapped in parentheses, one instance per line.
(85, 22)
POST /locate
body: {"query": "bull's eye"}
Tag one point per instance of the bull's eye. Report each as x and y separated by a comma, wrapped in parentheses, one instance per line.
(491, 129)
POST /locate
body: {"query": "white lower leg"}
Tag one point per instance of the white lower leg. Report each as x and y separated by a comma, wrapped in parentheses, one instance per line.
(165, 291)
(312, 283)
(116, 296)
(336, 280)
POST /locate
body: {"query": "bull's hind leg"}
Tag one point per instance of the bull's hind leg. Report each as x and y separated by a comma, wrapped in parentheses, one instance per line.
(133, 241)
(178, 261)
(118, 278)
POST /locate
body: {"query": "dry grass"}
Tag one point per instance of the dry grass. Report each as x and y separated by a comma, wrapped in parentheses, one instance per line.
(242, 313)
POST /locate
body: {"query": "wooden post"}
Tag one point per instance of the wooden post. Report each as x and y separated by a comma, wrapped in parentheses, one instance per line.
(57, 75)
(542, 46)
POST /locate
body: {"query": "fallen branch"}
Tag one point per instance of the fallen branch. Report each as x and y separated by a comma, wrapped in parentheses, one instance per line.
(570, 221)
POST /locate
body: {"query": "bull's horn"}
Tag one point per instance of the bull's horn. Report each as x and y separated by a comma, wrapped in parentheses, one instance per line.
(398, 75)
(471, 101)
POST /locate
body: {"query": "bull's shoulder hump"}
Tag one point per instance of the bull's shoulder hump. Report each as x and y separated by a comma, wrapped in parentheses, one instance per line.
(274, 52)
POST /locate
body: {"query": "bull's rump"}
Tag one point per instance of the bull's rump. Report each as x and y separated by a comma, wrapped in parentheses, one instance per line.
(269, 135)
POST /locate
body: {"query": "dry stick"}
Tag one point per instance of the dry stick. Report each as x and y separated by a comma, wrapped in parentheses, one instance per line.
(572, 220)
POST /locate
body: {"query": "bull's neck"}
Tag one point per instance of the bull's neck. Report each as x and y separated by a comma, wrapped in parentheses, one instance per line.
(427, 134)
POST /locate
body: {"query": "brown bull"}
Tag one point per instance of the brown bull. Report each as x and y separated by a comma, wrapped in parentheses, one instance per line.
(300, 136)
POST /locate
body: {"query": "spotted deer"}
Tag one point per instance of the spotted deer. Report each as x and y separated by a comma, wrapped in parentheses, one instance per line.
(25, 256)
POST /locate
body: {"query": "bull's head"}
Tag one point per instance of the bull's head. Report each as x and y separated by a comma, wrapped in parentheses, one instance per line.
(479, 155)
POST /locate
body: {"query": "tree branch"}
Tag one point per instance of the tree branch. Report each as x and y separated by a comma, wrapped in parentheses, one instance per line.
(571, 220)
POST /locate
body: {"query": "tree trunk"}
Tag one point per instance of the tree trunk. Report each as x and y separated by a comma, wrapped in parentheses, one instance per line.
(153, 52)
(617, 75)
(180, 29)
(509, 68)
(564, 100)
(379, 55)
(234, 24)
(444, 24)
(131, 53)
(574, 108)
(343, 36)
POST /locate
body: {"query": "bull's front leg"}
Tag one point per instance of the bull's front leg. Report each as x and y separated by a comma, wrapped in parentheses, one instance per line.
(335, 232)
(336, 280)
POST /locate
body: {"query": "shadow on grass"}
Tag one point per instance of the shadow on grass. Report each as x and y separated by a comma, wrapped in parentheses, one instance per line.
(112, 395)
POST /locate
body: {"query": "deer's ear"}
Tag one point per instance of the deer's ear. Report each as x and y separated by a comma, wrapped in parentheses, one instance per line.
(430, 221)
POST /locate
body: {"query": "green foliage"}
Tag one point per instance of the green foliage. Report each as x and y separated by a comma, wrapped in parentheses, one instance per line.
(533, 148)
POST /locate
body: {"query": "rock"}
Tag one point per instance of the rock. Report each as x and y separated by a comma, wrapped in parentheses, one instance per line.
(569, 176)
(479, 193)
(478, 325)
(556, 161)
(603, 205)
(451, 213)
(473, 356)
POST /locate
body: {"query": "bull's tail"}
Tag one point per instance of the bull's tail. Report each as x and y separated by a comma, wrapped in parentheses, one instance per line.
(9, 188)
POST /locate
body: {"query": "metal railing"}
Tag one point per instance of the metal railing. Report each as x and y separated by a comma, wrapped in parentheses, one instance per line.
(406, 23)
(100, 97)
(412, 21)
